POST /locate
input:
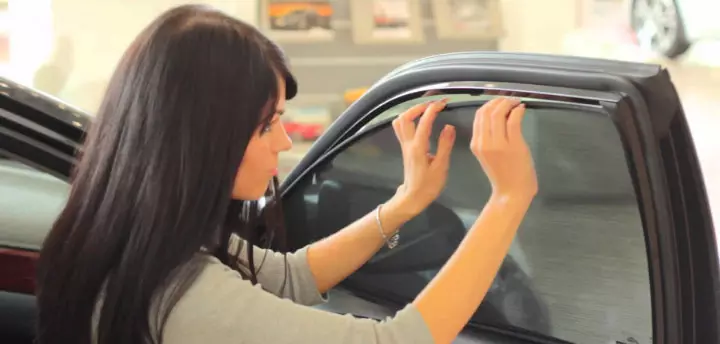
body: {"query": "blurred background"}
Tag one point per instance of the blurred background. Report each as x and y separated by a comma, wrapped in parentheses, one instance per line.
(337, 48)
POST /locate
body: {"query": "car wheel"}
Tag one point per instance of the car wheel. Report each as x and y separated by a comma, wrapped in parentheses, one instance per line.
(658, 26)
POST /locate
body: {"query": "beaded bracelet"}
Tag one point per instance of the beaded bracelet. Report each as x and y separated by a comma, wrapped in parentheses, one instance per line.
(391, 242)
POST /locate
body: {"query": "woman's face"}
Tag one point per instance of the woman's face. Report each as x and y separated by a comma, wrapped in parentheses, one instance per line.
(260, 162)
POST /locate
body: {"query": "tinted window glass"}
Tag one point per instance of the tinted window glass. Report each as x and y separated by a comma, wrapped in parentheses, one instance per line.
(577, 269)
(30, 200)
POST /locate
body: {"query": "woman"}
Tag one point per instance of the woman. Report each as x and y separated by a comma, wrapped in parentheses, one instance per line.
(188, 137)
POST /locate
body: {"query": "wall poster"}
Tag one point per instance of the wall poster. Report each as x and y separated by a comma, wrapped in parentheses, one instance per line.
(386, 21)
(306, 20)
(468, 19)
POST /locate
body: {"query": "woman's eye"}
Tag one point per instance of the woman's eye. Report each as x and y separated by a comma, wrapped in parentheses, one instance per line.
(266, 129)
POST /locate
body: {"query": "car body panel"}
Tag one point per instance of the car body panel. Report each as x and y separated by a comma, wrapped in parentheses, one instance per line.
(640, 97)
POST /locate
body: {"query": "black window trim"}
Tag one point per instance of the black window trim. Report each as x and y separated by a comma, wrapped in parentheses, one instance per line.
(36, 154)
(635, 131)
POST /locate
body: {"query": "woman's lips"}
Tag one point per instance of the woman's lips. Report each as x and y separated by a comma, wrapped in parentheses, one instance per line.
(275, 172)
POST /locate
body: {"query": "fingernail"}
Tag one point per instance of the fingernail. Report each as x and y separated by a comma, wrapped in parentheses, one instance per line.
(449, 131)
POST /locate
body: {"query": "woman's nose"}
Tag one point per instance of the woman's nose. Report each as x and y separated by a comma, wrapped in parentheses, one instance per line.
(284, 143)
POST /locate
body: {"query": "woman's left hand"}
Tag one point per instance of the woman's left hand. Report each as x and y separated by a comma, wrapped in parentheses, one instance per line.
(425, 174)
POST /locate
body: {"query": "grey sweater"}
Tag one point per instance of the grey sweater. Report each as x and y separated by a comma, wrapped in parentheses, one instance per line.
(221, 307)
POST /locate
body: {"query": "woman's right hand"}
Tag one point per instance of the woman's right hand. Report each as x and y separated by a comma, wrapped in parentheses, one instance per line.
(499, 145)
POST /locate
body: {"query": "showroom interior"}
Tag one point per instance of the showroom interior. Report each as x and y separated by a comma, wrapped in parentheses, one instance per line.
(68, 48)
(337, 49)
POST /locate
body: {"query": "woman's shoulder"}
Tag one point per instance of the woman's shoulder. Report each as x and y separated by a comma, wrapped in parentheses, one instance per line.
(214, 275)
(216, 289)
(222, 307)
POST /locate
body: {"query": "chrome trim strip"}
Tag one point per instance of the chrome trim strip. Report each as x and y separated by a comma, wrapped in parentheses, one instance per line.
(484, 86)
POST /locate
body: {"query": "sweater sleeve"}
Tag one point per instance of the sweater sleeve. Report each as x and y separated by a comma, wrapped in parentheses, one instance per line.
(220, 307)
(284, 275)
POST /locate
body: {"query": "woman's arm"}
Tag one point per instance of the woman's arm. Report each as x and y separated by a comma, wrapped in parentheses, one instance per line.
(335, 257)
(302, 276)
(501, 149)
(499, 146)
(470, 271)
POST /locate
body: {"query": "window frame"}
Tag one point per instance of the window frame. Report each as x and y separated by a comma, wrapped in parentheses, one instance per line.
(48, 141)
(639, 157)
(340, 132)
(36, 154)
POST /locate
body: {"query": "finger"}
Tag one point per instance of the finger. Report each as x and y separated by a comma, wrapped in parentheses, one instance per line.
(407, 129)
(408, 118)
(398, 130)
(499, 119)
(481, 129)
(514, 125)
(430, 157)
(428, 118)
(483, 109)
(414, 112)
(445, 146)
(407, 126)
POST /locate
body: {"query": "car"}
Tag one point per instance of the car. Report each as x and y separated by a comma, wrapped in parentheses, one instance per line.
(300, 16)
(671, 27)
(302, 130)
(617, 247)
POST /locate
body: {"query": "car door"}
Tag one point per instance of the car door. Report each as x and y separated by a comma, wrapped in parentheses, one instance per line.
(38, 139)
(618, 246)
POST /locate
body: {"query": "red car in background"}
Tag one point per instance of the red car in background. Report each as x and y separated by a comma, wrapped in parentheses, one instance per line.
(303, 131)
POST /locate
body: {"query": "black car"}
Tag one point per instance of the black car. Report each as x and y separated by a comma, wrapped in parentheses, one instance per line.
(618, 246)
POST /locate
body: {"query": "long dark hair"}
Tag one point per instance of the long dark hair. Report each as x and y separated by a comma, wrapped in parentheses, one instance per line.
(154, 182)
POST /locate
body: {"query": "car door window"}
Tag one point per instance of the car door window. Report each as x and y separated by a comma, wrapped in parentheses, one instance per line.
(577, 269)
(30, 200)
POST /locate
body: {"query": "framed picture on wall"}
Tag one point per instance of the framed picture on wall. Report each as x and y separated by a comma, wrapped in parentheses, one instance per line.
(387, 21)
(468, 19)
(294, 20)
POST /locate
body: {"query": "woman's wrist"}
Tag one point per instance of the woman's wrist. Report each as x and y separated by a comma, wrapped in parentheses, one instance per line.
(515, 200)
(395, 212)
